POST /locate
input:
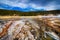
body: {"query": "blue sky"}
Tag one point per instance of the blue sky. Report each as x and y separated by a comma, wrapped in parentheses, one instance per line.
(30, 5)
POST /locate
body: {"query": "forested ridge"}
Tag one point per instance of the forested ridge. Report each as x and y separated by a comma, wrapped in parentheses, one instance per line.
(31, 13)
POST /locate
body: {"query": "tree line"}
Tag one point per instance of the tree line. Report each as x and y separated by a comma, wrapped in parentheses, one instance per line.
(31, 13)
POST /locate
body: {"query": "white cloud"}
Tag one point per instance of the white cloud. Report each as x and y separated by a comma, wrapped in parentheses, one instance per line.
(35, 6)
(50, 6)
(23, 4)
(15, 4)
(24, 1)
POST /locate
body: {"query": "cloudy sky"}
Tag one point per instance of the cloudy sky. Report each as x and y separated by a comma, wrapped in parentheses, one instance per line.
(30, 5)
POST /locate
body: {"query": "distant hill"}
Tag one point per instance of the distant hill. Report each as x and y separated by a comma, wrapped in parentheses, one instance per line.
(31, 13)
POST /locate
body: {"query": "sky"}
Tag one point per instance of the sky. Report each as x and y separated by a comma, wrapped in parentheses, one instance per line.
(30, 5)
